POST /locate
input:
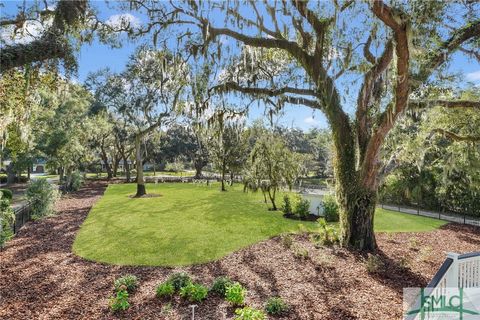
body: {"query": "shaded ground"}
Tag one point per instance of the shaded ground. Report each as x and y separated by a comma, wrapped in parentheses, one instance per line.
(41, 279)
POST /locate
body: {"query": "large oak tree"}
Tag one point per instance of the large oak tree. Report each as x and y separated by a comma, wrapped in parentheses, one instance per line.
(299, 52)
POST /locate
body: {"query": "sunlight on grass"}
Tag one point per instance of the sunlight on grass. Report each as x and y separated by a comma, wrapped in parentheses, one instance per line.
(187, 224)
(191, 224)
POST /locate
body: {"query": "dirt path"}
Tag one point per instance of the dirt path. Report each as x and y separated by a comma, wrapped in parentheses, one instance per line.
(40, 278)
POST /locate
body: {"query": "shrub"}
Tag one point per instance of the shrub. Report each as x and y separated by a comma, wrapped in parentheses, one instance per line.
(179, 280)
(165, 290)
(74, 181)
(287, 205)
(374, 264)
(276, 306)
(7, 219)
(330, 208)
(235, 294)
(220, 285)
(327, 235)
(300, 252)
(302, 207)
(129, 281)
(42, 197)
(194, 292)
(249, 313)
(287, 240)
(6, 194)
(120, 301)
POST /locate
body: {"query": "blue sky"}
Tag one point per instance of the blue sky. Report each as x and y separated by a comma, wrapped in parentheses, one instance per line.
(96, 56)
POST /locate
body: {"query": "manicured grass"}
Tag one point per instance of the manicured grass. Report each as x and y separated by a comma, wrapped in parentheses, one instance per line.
(187, 224)
(191, 224)
(390, 221)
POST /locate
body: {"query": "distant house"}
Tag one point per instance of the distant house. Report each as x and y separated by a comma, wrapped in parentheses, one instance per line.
(39, 166)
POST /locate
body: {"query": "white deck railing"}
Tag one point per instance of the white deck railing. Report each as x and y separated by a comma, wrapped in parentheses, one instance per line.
(457, 271)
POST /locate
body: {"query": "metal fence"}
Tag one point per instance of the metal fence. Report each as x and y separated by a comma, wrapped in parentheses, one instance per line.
(447, 216)
(23, 214)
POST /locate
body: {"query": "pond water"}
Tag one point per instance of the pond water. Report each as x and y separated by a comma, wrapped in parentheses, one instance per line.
(315, 197)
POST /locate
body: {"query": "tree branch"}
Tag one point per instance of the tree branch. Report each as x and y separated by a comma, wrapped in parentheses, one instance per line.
(422, 104)
(456, 137)
(233, 86)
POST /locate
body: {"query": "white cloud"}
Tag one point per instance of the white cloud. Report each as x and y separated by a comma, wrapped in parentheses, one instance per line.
(474, 76)
(31, 30)
(122, 20)
(310, 120)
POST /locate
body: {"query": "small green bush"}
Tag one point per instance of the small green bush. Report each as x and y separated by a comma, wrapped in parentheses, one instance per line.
(287, 240)
(302, 207)
(42, 197)
(220, 285)
(287, 205)
(7, 219)
(120, 301)
(276, 306)
(194, 292)
(130, 282)
(74, 181)
(7, 194)
(300, 252)
(330, 208)
(249, 313)
(165, 290)
(374, 264)
(327, 234)
(235, 294)
(179, 280)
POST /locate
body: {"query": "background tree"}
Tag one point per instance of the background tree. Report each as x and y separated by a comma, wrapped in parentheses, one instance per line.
(298, 52)
(272, 166)
(147, 95)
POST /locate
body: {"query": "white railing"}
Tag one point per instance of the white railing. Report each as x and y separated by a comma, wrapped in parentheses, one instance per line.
(457, 271)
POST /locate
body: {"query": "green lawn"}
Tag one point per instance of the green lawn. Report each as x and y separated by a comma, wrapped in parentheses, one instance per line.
(191, 224)
(188, 224)
(390, 221)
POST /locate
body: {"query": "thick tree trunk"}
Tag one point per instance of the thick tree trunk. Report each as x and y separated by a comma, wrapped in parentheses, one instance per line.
(198, 169)
(357, 211)
(232, 176)
(60, 174)
(138, 159)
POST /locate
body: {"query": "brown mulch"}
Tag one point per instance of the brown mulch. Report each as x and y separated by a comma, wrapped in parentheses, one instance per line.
(40, 278)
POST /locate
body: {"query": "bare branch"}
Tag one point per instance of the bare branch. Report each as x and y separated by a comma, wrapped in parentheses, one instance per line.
(233, 86)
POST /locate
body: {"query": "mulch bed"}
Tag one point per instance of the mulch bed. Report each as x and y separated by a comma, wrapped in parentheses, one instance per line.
(40, 278)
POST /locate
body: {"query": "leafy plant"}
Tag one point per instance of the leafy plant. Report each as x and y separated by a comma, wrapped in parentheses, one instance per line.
(179, 280)
(120, 301)
(194, 292)
(287, 240)
(276, 306)
(165, 290)
(235, 294)
(330, 208)
(6, 194)
(74, 181)
(300, 252)
(248, 313)
(42, 196)
(220, 285)
(374, 264)
(327, 234)
(129, 281)
(287, 205)
(302, 207)
(7, 219)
